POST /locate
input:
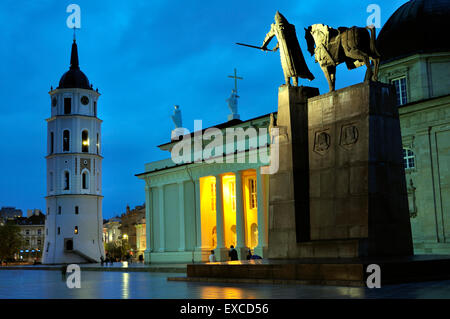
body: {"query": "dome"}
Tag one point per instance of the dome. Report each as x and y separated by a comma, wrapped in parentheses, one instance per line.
(418, 26)
(74, 78)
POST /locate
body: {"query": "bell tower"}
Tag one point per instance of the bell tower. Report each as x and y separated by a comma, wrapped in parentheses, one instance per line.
(74, 222)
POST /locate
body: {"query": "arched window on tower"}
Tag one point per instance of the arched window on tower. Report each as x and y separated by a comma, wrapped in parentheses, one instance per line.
(98, 144)
(84, 141)
(66, 140)
(52, 142)
(66, 180)
(85, 180)
(67, 105)
(50, 181)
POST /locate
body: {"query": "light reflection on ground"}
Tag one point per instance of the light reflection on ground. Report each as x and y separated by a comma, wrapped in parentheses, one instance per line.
(38, 284)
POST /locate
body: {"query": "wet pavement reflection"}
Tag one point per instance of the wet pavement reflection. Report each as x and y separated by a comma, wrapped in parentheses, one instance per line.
(39, 284)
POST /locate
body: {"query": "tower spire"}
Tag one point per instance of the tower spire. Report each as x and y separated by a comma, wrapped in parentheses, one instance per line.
(74, 54)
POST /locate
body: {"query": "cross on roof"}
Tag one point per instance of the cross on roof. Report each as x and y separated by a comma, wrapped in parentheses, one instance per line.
(235, 77)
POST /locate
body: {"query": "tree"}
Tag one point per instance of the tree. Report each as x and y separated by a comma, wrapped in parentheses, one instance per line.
(10, 241)
(117, 249)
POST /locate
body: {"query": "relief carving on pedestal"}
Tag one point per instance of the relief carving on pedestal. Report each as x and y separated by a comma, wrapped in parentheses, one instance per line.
(322, 142)
(349, 135)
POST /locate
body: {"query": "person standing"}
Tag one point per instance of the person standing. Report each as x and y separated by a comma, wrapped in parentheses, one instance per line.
(233, 253)
(212, 257)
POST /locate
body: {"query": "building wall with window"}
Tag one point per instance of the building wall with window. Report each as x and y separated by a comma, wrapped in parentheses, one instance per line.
(141, 240)
(418, 64)
(111, 231)
(32, 229)
(128, 222)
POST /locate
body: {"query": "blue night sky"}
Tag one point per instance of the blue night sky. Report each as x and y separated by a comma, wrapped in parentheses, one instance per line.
(144, 57)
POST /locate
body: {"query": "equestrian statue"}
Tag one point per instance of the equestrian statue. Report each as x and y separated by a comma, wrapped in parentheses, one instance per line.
(355, 46)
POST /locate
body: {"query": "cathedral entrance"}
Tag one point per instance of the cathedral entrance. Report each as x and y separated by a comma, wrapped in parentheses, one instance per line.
(250, 208)
(208, 209)
(229, 209)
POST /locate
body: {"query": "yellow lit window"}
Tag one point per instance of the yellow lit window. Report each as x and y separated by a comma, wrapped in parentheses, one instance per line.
(252, 189)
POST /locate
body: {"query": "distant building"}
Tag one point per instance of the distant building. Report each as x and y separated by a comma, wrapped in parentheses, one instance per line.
(141, 238)
(111, 230)
(33, 212)
(10, 213)
(128, 227)
(32, 230)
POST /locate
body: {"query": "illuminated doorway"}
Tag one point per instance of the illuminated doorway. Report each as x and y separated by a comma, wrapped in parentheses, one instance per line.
(229, 209)
(250, 208)
(208, 211)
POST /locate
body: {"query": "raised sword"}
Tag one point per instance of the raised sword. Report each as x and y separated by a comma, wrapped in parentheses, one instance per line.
(253, 46)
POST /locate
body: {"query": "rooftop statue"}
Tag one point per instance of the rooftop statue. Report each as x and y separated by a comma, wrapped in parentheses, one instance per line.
(292, 60)
(176, 117)
(354, 46)
(232, 102)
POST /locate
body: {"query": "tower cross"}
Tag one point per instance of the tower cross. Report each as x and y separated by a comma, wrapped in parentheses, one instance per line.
(235, 77)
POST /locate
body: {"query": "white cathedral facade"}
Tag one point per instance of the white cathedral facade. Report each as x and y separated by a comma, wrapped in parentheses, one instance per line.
(73, 228)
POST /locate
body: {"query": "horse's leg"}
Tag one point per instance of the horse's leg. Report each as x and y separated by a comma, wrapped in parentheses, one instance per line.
(369, 72)
(376, 66)
(288, 80)
(332, 71)
(360, 55)
(327, 76)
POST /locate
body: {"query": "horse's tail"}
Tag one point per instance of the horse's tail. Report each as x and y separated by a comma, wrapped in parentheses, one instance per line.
(373, 38)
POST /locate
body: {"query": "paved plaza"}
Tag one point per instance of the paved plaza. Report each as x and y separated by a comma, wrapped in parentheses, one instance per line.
(43, 284)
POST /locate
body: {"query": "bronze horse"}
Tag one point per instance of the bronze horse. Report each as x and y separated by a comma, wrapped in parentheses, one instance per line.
(354, 46)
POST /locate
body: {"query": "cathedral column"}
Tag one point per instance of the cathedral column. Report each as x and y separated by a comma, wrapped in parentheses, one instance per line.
(181, 212)
(148, 223)
(262, 234)
(221, 250)
(240, 218)
(161, 218)
(198, 220)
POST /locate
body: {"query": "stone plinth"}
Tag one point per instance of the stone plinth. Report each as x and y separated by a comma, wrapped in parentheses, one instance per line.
(322, 271)
(341, 192)
(288, 200)
(358, 197)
